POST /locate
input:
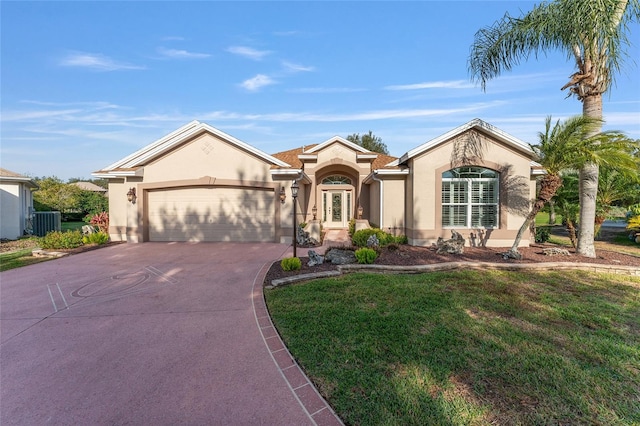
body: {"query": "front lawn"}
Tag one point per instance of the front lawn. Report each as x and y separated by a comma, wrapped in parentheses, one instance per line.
(493, 347)
(17, 259)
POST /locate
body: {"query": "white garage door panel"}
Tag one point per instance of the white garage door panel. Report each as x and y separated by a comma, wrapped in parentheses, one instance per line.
(211, 214)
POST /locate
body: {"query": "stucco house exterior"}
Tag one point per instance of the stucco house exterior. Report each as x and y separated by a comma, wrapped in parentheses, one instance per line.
(200, 184)
(16, 204)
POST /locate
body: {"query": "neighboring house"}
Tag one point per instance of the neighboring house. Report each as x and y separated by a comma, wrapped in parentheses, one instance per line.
(200, 184)
(90, 186)
(16, 204)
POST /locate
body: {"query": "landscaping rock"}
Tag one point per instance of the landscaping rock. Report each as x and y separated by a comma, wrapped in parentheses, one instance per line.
(315, 258)
(340, 257)
(455, 245)
(556, 251)
(373, 242)
(304, 240)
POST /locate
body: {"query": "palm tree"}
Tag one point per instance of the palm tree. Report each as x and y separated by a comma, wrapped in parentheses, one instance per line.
(570, 145)
(594, 34)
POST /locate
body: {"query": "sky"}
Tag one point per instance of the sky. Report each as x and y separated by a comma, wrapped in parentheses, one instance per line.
(84, 84)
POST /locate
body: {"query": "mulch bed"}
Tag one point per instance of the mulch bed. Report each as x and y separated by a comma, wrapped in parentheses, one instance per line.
(409, 255)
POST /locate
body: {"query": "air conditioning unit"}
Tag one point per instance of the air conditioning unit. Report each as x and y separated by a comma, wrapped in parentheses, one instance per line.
(44, 222)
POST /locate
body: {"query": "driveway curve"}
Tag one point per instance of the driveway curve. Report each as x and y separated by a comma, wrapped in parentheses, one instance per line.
(153, 333)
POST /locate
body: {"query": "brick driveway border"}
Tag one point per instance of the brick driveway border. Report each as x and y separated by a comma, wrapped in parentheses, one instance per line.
(153, 333)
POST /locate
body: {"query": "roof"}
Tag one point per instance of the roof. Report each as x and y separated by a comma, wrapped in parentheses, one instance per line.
(291, 156)
(89, 186)
(9, 176)
(477, 124)
(132, 164)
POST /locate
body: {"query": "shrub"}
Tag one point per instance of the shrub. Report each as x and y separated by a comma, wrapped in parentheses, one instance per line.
(352, 227)
(61, 240)
(360, 237)
(101, 220)
(291, 264)
(402, 239)
(366, 255)
(96, 238)
(542, 234)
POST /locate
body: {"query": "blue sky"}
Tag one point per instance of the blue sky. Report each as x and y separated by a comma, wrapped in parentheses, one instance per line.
(87, 83)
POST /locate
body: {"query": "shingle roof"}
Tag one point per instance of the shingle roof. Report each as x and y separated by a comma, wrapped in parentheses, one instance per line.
(291, 157)
(89, 186)
(9, 173)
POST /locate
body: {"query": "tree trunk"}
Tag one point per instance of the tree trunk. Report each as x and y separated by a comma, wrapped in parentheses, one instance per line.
(552, 212)
(591, 107)
(548, 187)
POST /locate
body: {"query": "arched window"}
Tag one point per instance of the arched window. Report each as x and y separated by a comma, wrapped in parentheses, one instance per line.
(336, 180)
(470, 198)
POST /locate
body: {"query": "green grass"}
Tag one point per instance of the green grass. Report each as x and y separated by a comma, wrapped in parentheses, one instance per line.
(18, 259)
(469, 347)
(71, 226)
(542, 219)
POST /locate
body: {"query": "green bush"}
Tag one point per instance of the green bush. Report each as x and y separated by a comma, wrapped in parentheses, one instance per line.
(402, 239)
(352, 227)
(360, 237)
(291, 264)
(542, 234)
(366, 255)
(61, 240)
(96, 238)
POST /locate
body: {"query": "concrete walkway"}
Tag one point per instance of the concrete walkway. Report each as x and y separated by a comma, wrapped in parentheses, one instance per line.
(332, 238)
(153, 333)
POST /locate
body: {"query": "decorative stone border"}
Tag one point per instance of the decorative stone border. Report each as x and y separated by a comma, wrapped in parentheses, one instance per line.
(44, 253)
(448, 266)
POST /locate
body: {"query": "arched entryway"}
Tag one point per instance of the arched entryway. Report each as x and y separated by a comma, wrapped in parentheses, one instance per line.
(336, 193)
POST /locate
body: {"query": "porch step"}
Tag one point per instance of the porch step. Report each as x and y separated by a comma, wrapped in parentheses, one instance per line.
(336, 237)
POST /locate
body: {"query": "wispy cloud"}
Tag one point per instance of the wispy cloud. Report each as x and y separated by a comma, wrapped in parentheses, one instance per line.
(181, 54)
(454, 84)
(326, 90)
(292, 67)
(388, 114)
(95, 61)
(256, 83)
(248, 52)
(286, 33)
(172, 38)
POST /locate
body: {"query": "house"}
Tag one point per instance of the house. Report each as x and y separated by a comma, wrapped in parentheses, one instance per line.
(200, 184)
(90, 186)
(16, 204)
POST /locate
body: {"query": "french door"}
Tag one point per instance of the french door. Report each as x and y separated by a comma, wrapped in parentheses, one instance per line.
(336, 208)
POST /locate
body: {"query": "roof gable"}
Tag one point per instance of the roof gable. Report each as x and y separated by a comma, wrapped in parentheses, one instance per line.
(338, 139)
(160, 147)
(477, 124)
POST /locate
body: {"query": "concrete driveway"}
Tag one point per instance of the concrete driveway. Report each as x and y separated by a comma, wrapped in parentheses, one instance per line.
(153, 333)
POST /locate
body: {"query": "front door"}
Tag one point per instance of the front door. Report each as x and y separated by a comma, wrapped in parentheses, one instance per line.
(336, 208)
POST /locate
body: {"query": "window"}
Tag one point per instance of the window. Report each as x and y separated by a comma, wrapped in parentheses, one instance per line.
(470, 198)
(336, 180)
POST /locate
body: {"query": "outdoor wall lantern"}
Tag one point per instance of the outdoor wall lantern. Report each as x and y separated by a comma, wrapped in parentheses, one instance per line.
(283, 195)
(294, 194)
(314, 210)
(131, 195)
(360, 209)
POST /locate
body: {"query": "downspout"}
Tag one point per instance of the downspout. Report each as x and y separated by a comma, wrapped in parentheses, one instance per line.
(373, 176)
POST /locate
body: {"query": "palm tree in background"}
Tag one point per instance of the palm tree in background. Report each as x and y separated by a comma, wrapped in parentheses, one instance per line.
(570, 145)
(593, 33)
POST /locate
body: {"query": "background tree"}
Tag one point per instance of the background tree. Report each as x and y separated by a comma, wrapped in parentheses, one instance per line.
(593, 33)
(369, 141)
(55, 195)
(567, 145)
(73, 202)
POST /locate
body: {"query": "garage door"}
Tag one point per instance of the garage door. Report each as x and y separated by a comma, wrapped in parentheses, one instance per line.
(211, 214)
